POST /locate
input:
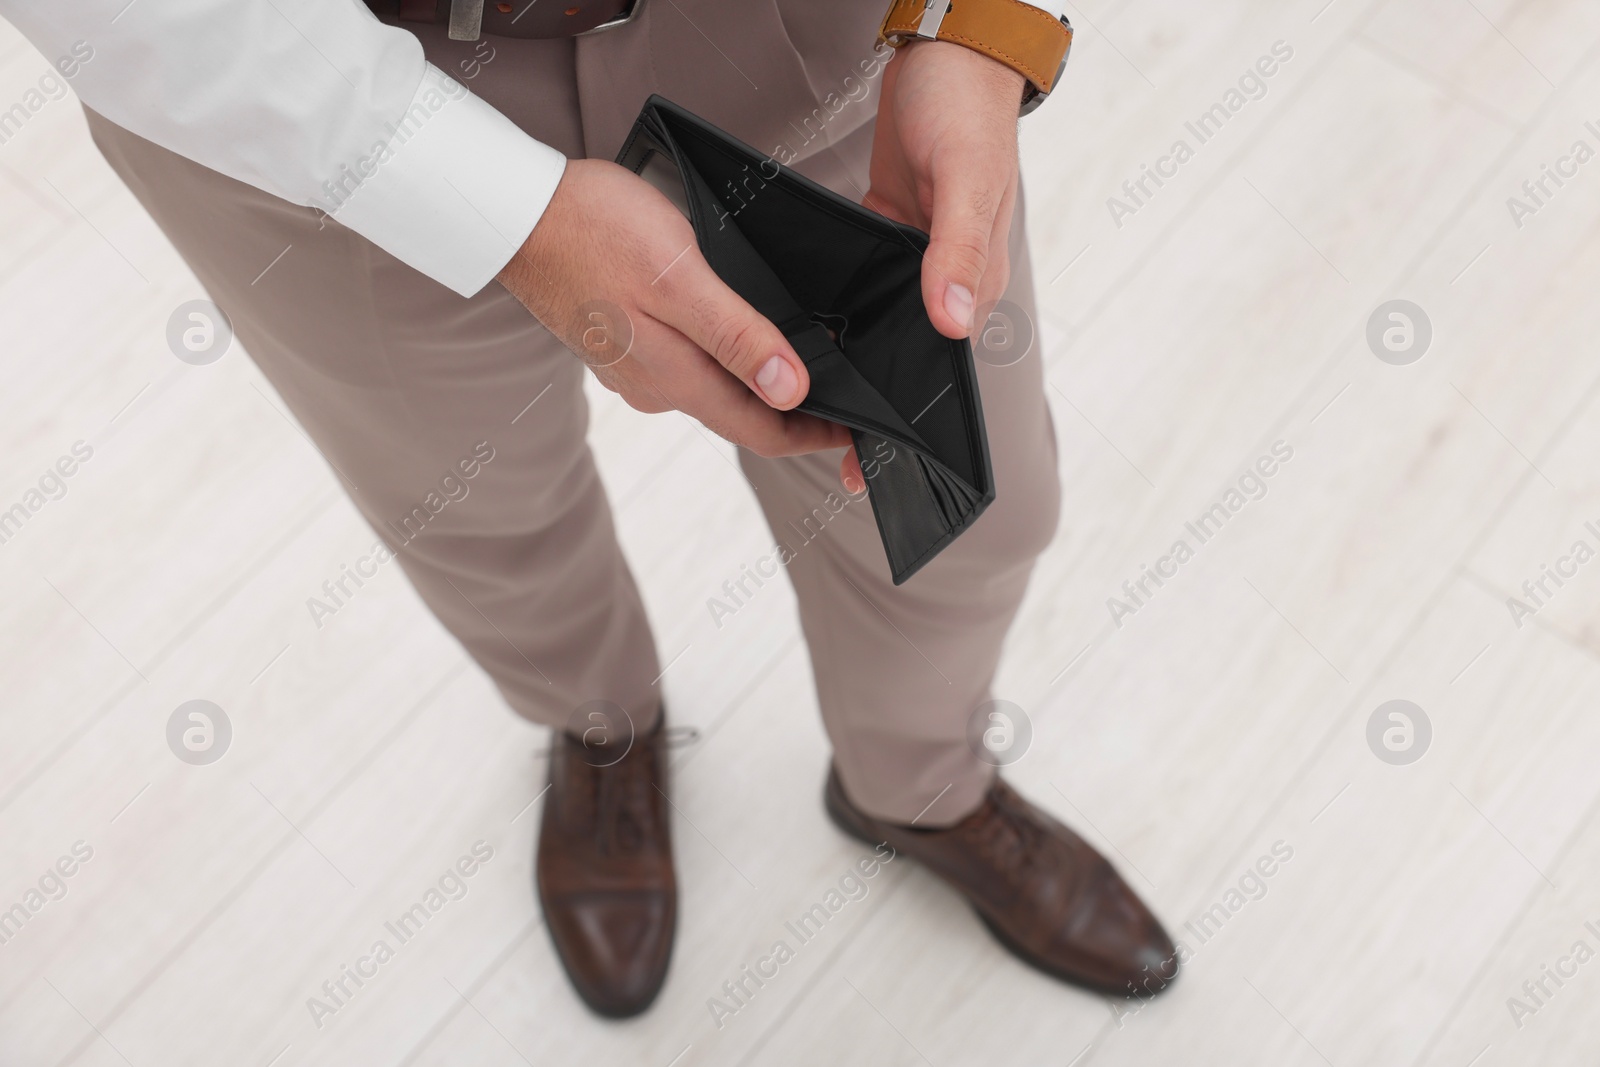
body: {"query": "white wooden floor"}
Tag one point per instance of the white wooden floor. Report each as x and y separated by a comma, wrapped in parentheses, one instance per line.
(1227, 716)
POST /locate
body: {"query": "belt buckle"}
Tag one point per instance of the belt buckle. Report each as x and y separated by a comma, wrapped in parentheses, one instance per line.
(466, 20)
(621, 20)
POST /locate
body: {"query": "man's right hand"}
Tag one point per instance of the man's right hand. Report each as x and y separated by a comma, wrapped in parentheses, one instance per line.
(609, 238)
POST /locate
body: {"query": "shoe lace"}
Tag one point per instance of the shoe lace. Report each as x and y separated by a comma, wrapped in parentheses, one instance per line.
(1007, 836)
(619, 803)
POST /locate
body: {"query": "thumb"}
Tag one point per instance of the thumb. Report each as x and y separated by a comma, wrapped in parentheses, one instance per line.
(704, 309)
(966, 202)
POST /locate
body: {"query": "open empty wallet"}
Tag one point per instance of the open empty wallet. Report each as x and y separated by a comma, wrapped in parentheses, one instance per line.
(843, 284)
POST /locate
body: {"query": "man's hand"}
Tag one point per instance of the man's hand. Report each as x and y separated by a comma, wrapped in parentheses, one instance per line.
(608, 238)
(944, 159)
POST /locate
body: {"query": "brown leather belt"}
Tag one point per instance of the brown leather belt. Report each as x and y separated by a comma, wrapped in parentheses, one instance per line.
(518, 18)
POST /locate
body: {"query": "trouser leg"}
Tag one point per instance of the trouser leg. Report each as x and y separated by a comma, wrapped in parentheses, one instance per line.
(398, 380)
(900, 670)
(419, 400)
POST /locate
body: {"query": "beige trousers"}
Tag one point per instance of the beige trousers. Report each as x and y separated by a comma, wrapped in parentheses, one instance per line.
(398, 380)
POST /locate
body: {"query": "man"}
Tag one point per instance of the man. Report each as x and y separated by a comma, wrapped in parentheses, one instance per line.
(378, 237)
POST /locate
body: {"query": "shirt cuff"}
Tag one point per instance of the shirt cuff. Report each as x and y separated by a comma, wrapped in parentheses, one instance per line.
(453, 192)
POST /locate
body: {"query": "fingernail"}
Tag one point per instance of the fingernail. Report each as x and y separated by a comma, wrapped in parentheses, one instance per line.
(778, 382)
(853, 485)
(958, 304)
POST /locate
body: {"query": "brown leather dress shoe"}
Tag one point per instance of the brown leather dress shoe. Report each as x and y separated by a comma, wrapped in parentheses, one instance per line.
(604, 868)
(1044, 893)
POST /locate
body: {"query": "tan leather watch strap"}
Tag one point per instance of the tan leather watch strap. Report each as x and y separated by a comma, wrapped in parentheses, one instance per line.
(1023, 37)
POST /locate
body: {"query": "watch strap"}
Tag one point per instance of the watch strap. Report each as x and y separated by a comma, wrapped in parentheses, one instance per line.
(1025, 38)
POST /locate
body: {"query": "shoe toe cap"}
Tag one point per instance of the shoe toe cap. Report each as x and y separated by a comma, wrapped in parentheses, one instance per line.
(1126, 943)
(615, 946)
(1158, 964)
(1138, 951)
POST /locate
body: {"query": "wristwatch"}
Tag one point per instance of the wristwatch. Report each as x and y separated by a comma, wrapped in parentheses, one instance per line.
(1023, 37)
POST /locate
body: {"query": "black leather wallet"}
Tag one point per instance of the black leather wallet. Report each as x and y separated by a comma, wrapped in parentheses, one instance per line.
(843, 284)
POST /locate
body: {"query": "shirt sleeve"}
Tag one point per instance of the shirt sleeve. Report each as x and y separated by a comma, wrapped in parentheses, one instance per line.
(319, 103)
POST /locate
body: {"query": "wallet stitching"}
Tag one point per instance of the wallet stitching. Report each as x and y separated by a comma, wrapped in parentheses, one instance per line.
(627, 146)
(950, 535)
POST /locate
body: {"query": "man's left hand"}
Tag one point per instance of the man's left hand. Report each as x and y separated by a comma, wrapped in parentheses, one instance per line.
(944, 159)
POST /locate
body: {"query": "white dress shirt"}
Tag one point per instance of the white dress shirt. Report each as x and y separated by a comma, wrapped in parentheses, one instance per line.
(319, 103)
